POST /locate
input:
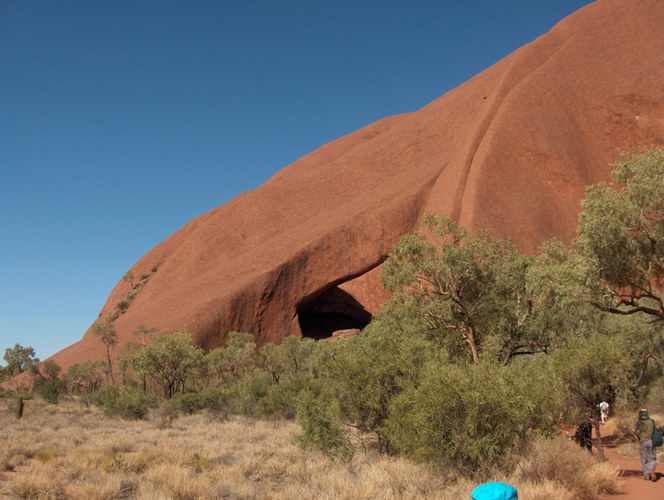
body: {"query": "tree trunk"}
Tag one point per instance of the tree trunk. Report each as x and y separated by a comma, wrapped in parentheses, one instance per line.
(110, 366)
(470, 338)
(19, 408)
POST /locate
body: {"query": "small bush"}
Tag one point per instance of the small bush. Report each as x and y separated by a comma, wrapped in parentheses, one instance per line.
(320, 430)
(655, 399)
(188, 403)
(250, 395)
(461, 416)
(126, 402)
(281, 400)
(51, 391)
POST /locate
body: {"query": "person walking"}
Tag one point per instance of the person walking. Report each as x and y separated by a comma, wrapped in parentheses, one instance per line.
(604, 410)
(583, 434)
(643, 431)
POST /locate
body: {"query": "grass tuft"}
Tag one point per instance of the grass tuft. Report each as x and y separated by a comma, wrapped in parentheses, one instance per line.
(80, 453)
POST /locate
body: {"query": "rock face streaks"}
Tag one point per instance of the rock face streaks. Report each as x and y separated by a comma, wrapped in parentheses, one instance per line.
(513, 148)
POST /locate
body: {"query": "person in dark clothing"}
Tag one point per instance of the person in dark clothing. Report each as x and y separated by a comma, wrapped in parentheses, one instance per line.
(583, 435)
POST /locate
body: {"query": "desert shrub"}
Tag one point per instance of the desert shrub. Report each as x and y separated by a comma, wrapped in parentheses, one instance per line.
(320, 427)
(249, 394)
(281, 399)
(542, 393)
(49, 385)
(235, 362)
(217, 400)
(468, 416)
(655, 399)
(51, 390)
(189, 403)
(214, 399)
(171, 363)
(369, 370)
(123, 304)
(124, 401)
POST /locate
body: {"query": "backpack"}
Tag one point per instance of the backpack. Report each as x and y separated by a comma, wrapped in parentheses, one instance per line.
(657, 439)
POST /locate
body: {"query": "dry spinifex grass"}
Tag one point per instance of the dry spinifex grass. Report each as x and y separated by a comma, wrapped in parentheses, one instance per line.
(69, 451)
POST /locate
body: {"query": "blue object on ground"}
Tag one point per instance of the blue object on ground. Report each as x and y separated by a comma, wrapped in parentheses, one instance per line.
(494, 491)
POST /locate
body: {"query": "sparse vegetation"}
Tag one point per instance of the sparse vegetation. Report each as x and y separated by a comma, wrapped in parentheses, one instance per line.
(468, 371)
(124, 303)
(107, 335)
(124, 401)
(78, 452)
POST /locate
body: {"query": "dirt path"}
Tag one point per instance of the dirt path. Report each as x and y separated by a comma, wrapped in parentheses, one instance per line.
(626, 456)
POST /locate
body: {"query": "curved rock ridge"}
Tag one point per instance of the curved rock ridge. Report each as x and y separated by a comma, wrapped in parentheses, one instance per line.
(513, 148)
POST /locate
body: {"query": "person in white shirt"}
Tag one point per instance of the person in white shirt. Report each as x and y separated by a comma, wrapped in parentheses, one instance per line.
(604, 411)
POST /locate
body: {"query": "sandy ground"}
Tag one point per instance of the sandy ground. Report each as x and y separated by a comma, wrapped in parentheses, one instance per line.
(626, 456)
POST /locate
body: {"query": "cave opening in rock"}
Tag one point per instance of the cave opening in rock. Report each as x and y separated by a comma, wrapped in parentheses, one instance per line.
(329, 312)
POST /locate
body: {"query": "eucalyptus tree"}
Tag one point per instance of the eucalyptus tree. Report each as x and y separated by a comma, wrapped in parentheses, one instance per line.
(467, 291)
(170, 362)
(107, 335)
(19, 359)
(621, 237)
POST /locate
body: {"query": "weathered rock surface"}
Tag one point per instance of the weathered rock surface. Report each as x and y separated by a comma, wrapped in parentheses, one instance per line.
(513, 148)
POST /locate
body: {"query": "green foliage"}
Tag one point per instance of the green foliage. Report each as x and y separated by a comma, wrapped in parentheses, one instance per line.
(86, 378)
(466, 416)
(234, 362)
(593, 369)
(107, 335)
(621, 236)
(106, 332)
(370, 369)
(49, 386)
(286, 359)
(297, 353)
(189, 403)
(281, 400)
(467, 291)
(320, 429)
(19, 359)
(50, 391)
(554, 282)
(271, 359)
(124, 401)
(642, 343)
(213, 399)
(171, 363)
(655, 399)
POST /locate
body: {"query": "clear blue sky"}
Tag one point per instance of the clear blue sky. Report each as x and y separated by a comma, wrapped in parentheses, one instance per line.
(120, 121)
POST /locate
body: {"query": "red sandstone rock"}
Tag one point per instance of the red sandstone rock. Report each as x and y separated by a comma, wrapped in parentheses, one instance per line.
(512, 148)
